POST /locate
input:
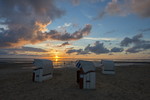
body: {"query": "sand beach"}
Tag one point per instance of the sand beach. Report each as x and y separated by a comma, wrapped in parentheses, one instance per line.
(129, 83)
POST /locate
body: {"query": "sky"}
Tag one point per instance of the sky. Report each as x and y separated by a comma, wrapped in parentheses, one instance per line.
(104, 29)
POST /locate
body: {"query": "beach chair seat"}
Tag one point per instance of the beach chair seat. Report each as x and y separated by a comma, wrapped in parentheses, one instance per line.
(43, 70)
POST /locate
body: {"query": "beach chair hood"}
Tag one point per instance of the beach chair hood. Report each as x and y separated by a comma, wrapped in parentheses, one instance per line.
(85, 65)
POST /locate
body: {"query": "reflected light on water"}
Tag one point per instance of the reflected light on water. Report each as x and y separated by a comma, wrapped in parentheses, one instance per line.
(57, 63)
(56, 59)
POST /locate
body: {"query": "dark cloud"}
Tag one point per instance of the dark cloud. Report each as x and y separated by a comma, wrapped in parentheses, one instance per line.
(98, 48)
(126, 41)
(32, 49)
(2, 29)
(53, 34)
(116, 49)
(2, 52)
(134, 40)
(140, 7)
(26, 23)
(13, 39)
(23, 51)
(78, 51)
(64, 44)
(139, 47)
(26, 20)
(138, 44)
(83, 52)
(74, 51)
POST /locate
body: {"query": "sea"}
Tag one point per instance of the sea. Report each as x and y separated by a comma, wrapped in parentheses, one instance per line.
(70, 62)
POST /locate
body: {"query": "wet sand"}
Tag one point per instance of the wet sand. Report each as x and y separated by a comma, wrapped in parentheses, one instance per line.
(129, 83)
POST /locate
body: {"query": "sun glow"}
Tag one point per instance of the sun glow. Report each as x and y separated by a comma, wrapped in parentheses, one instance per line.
(56, 57)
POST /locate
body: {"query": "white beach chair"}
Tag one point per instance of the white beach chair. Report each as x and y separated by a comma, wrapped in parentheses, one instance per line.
(108, 67)
(43, 70)
(86, 74)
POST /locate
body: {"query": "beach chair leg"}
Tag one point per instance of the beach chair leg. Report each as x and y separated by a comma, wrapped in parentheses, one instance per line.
(33, 77)
(78, 76)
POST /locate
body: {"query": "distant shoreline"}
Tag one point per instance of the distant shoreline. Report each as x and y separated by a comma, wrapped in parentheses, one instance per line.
(130, 62)
(72, 63)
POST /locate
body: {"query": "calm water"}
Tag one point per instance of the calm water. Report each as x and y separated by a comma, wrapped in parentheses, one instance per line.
(68, 62)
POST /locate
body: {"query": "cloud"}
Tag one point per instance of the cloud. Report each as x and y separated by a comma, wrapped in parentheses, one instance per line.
(64, 44)
(75, 2)
(78, 51)
(2, 52)
(63, 28)
(65, 25)
(135, 40)
(140, 7)
(138, 44)
(105, 39)
(97, 48)
(27, 22)
(125, 7)
(116, 49)
(53, 34)
(114, 8)
(24, 51)
(139, 47)
(74, 51)
(32, 49)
